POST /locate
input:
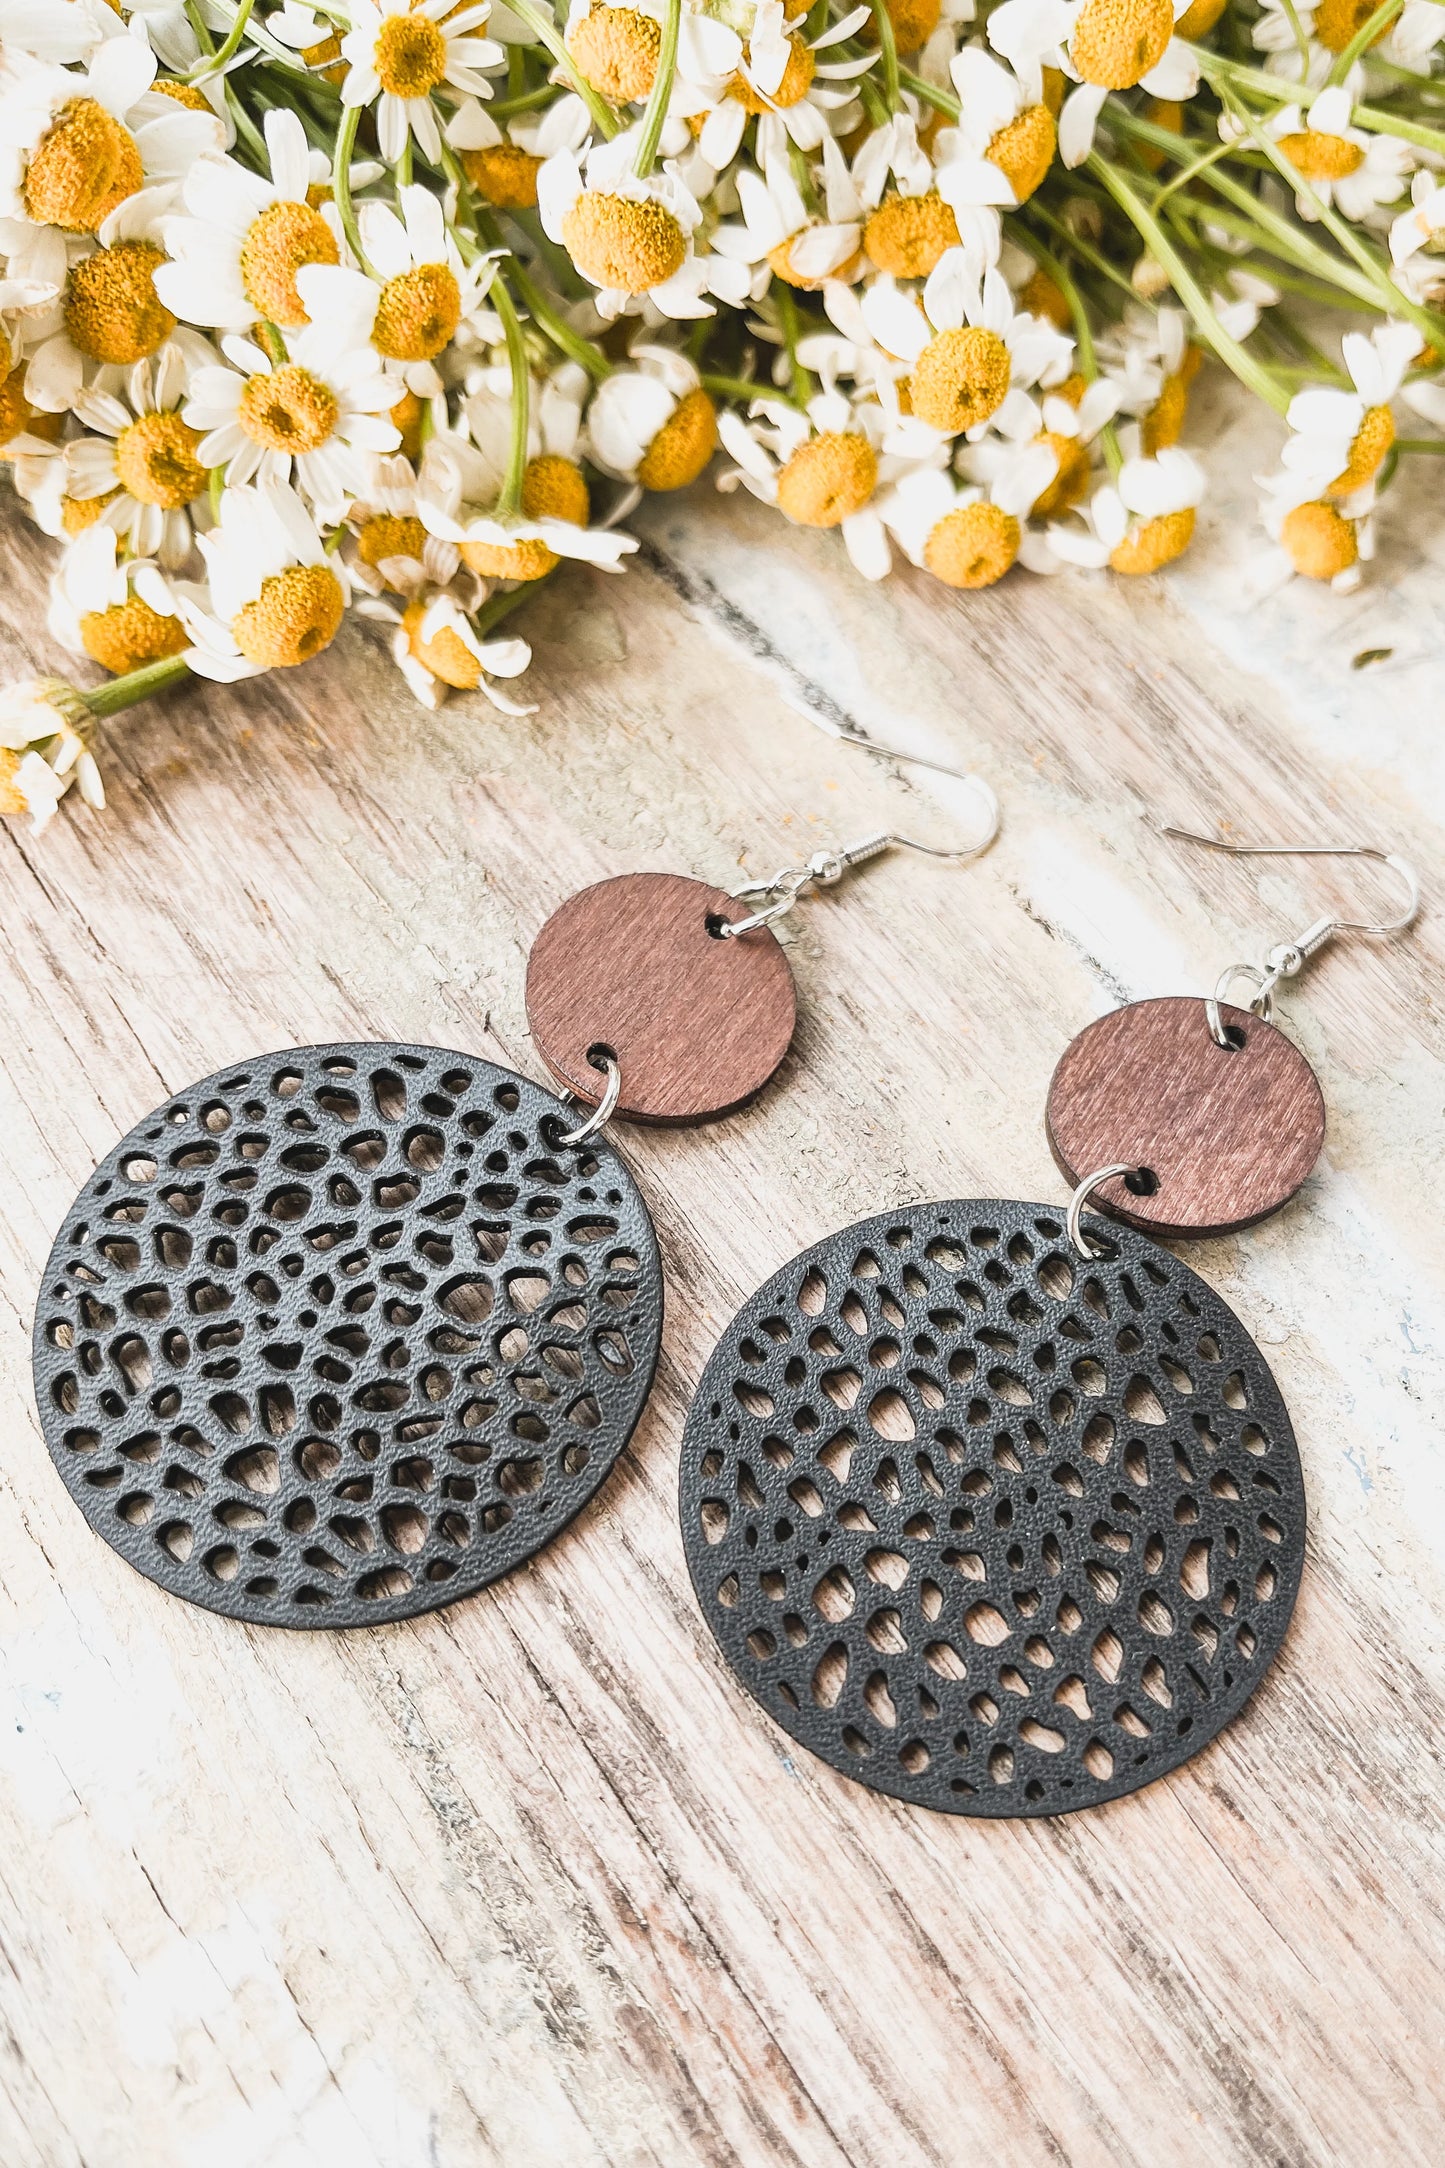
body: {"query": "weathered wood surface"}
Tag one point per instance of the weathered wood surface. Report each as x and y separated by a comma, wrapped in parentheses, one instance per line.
(532, 1881)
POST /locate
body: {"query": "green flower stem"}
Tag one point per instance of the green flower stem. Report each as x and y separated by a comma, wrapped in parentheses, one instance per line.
(217, 60)
(500, 607)
(1426, 139)
(1435, 445)
(198, 23)
(544, 29)
(523, 101)
(1364, 37)
(943, 101)
(661, 94)
(509, 504)
(1083, 249)
(888, 47)
(341, 183)
(801, 386)
(1206, 322)
(568, 341)
(736, 387)
(124, 692)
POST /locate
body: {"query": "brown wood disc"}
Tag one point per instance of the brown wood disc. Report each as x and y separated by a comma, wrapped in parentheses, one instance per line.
(1229, 1134)
(698, 1024)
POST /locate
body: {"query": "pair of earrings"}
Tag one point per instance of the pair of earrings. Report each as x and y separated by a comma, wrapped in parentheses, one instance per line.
(344, 1333)
(1000, 1515)
(1003, 1515)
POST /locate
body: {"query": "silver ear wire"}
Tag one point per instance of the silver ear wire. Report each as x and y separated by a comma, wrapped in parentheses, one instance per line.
(777, 896)
(1287, 958)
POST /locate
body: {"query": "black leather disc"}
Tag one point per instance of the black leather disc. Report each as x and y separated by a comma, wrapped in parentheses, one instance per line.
(985, 1526)
(342, 1333)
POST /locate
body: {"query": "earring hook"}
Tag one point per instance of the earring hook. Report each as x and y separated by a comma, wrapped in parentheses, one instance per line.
(1287, 958)
(778, 895)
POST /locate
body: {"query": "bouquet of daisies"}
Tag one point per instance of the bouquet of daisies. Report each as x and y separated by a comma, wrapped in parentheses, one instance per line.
(395, 305)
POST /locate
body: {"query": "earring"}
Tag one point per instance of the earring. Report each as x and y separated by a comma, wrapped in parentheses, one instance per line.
(344, 1333)
(1000, 1515)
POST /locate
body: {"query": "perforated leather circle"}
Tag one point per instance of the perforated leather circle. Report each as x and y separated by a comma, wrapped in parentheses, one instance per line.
(986, 1527)
(342, 1333)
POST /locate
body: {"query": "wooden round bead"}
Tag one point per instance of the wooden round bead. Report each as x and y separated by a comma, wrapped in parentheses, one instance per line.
(1228, 1134)
(697, 1023)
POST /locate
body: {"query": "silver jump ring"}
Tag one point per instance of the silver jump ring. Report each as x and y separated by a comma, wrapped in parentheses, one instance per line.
(1076, 1206)
(604, 1110)
(1262, 1005)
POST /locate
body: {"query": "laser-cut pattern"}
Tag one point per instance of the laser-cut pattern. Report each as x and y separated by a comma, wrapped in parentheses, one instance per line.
(987, 1527)
(342, 1333)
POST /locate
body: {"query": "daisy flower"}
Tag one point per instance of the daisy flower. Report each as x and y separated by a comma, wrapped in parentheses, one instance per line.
(426, 291)
(437, 648)
(110, 313)
(969, 352)
(1340, 438)
(1312, 540)
(275, 597)
(616, 49)
(399, 52)
(820, 467)
(1344, 166)
(631, 237)
(780, 231)
(43, 750)
(653, 423)
(774, 70)
(1138, 524)
(457, 502)
(911, 226)
(74, 144)
(1421, 227)
(391, 548)
(967, 537)
(1114, 45)
(142, 457)
(1065, 424)
(1004, 142)
(502, 164)
(121, 614)
(319, 413)
(237, 251)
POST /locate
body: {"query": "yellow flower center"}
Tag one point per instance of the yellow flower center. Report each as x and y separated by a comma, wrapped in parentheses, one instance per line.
(324, 55)
(616, 49)
(1155, 542)
(907, 234)
(1373, 440)
(112, 311)
(1115, 42)
(445, 654)
(417, 314)
(130, 634)
(914, 22)
(1165, 419)
(1336, 22)
(1042, 296)
(289, 411)
(555, 488)
(1320, 541)
(410, 56)
(506, 175)
(185, 94)
(12, 800)
(626, 245)
(1072, 478)
(780, 261)
(406, 416)
(828, 479)
(528, 560)
(82, 169)
(78, 513)
(1164, 113)
(973, 546)
(1197, 22)
(390, 534)
(797, 81)
(683, 445)
(16, 412)
(282, 241)
(960, 378)
(1072, 389)
(155, 459)
(1024, 150)
(1321, 157)
(295, 615)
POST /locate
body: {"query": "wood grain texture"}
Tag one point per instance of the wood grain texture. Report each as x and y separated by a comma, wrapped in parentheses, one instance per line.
(697, 1023)
(532, 1881)
(1227, 1133)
